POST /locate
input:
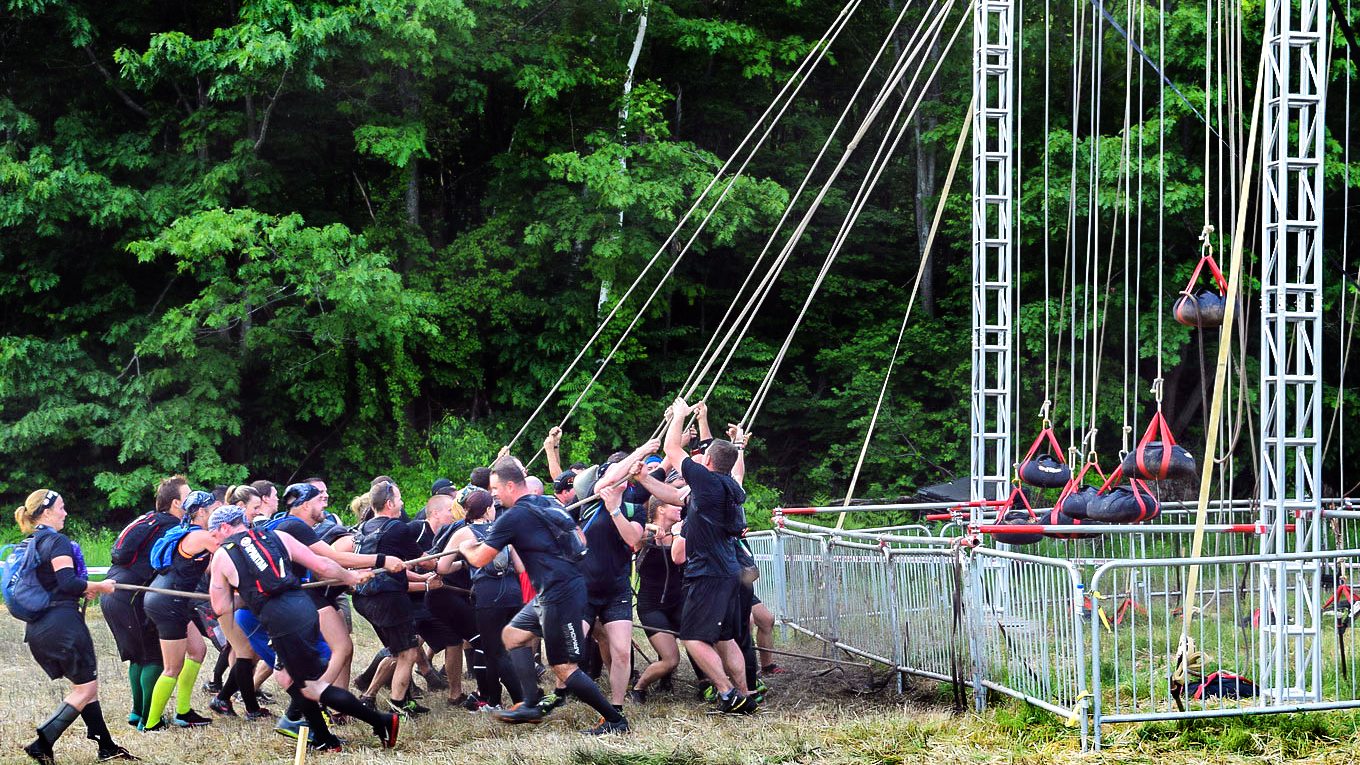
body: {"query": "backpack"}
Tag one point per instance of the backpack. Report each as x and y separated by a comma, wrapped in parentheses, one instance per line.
(163, 551)
(25, 596)
(134, 539)
(366, 538)
(569, 546)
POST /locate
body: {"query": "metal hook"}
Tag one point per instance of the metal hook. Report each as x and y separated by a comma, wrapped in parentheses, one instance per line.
(1157, 386)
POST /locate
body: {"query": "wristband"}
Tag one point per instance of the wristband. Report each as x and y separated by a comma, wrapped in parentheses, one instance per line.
(616, 513)
(380, 561)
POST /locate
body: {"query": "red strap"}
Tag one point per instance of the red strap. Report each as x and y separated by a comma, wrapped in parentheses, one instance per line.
(1214, 270)
(1113, 480)
(1010, 502)
(1157, 429)
(1046, 433)
(1079, 480)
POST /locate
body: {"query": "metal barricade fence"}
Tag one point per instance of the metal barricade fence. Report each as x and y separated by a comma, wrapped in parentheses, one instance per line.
(1132, 658)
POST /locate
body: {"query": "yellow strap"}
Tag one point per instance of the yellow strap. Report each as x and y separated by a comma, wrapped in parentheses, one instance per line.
(1083, 699)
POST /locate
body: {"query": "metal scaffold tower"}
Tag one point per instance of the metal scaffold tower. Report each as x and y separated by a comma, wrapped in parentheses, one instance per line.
(993, 245)
(1290, 667)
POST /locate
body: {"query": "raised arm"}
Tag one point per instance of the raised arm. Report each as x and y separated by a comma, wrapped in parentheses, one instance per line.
(659, 489)
(618, 470)
(675, 432)
(701, 415)
(629, 531)
(552, 446)
(739, 439)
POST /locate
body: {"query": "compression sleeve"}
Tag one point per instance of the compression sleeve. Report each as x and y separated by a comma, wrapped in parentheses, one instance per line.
(70, 584)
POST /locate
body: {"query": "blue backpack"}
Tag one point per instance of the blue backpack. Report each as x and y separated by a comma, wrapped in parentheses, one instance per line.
(24, 594)
(163, 551)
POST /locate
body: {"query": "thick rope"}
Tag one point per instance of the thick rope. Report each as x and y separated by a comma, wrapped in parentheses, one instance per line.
(800, 76)
(964, 132)
(1220, 377)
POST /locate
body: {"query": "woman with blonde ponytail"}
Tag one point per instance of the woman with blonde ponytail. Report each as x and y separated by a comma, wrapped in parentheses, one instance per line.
(58, 637)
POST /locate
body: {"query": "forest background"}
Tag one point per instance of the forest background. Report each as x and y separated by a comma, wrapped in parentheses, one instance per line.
(275, 239)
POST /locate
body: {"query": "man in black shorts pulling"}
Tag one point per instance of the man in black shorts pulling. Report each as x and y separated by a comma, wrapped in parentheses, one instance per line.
(256, 564)
(549, 544)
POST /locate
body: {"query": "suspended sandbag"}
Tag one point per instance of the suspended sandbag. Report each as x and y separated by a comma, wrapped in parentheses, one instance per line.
(1018, 517)
(1201, 308)
(1223, 685)
(1076, 504)
(1198, 307)
(1158, 457)
(1056, 517)
(1017, 511)
(1133, 503)
(1045, 471)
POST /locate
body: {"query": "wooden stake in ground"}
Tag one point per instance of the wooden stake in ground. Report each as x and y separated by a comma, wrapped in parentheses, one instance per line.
(300, 754)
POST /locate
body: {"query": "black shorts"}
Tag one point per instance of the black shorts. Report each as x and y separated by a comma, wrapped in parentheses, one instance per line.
(617, 607)
(657, 615)
(397, 637)
(558, 623)
(712, 610)
(171, 614)
(298, 654)
(60, 643)
(132, 629)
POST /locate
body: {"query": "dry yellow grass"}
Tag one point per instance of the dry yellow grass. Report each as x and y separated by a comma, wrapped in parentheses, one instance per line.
(831, 720)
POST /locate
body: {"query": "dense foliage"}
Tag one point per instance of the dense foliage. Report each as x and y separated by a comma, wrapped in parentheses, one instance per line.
(275, 238)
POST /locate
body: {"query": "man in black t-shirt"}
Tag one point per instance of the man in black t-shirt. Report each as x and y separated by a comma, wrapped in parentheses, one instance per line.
(541, 533)
(306, 508)
(384, 602)
(713, 515)
(612, 534)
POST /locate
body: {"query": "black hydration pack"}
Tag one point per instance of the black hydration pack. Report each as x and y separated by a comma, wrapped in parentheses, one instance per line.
(262, 566)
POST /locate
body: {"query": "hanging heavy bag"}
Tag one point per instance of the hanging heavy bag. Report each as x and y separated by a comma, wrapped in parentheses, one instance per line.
(1056, 517)
(1158, 457)
(1045, 471)
(1074, 505)
(1126, 504)
(1199, 307)
(1017, 511)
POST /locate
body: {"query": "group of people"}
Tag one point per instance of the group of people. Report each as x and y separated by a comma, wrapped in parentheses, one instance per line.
(501, 571)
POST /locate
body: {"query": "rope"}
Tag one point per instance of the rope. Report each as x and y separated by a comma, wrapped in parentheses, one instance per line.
(709, 355)
(1220, 376)
(964, 132)
(748, 418)
(800, 76)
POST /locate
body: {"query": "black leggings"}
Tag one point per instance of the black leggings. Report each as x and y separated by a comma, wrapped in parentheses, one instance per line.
(493, 665)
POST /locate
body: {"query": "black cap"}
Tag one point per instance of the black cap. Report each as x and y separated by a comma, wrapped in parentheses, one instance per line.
(443, 486)
(298, 493)
(565, 481)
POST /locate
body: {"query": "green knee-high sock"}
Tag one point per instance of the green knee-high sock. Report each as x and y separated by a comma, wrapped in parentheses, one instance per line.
(135, 684)
(150, 674)
(159, 698)
(187, 677)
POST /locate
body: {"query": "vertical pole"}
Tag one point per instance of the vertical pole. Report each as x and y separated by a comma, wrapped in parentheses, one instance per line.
(1295, 80)
(993, 247)
(781, 600)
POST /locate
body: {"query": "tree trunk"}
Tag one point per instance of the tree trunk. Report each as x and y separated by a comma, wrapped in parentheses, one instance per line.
(623, 128)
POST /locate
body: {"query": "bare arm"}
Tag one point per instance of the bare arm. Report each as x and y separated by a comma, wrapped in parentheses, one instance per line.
(220, 584)
(551, 449)
(321, 566)
(354, 560)
(661, 490)
(629, 532)
(678, 544)
(618, 470)
(739, 439)
(477, 553)
(447, 564)
(675, 432)
(701, 414)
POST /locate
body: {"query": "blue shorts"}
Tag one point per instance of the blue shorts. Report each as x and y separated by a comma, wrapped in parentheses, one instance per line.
(259, 641)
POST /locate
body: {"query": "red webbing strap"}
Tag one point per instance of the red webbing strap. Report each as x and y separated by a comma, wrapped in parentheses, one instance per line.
(1079, 480)
(1010, 504)
(1045, 434)
(1157, 429)
(1213, 270)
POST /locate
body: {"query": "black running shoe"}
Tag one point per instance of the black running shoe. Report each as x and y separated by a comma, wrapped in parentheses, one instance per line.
(604, 728)
(212, 688)
(330, 743)
(387, 732)
(259, 714)
(553, 700)
(407, 708)
(41, 751)
(221, 706)
(733, 703)
(157, 728)
(192, 719)
(115, 752)
(637, 696)
(435, 681)
(521, 713)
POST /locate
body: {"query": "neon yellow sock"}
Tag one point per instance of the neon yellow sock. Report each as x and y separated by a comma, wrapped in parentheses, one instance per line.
(187, 677)
(159, 698)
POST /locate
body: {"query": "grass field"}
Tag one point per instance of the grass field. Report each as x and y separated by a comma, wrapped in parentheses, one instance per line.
(833, 719)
